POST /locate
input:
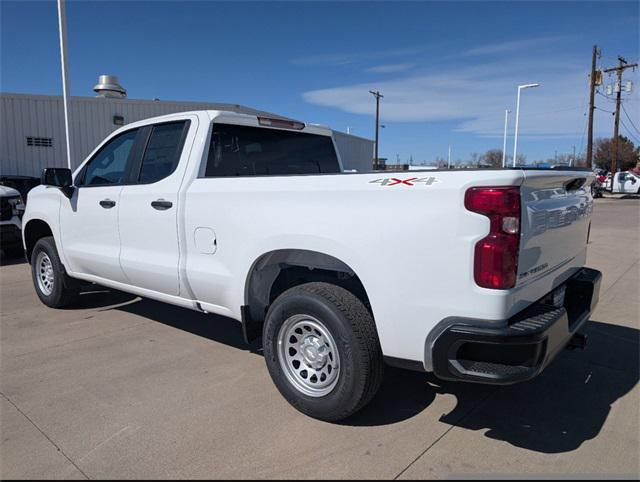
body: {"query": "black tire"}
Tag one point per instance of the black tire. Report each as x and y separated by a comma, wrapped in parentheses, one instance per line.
(352, 327)
(64, 290)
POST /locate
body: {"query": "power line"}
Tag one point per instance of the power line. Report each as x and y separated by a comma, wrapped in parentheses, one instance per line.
(629, 131)
(606, 97)
(604, 110)
(630, 121)
(555, 111)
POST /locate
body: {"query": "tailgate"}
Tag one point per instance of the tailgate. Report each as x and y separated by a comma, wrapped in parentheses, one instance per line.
(556, 216)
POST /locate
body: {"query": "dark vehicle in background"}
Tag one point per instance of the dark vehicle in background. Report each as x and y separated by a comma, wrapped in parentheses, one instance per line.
(13, 197)
(11, 211)
(22, 184)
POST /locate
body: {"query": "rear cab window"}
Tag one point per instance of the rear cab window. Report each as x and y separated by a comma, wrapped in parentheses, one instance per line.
(162, 151)
(237, 150)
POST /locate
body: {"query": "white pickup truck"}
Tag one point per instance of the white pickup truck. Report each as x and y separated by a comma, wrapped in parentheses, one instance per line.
(474, 275)
(626, 182)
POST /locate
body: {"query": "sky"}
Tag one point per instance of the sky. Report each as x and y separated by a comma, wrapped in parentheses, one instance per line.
(447, 70)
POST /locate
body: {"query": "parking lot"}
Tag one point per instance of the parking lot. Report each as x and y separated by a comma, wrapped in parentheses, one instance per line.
(120, 387)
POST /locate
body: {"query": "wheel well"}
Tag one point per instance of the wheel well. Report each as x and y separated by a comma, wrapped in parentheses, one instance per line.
(276, 272)
(34, 230)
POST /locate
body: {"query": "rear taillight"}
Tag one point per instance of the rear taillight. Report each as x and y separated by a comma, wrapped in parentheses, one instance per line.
(496, 255)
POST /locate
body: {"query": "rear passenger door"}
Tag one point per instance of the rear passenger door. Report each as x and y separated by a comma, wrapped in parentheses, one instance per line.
(149, 202)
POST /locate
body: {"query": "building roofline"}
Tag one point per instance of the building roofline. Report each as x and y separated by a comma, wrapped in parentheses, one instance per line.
(197, 105)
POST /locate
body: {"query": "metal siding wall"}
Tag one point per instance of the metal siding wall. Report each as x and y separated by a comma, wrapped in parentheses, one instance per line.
(356, 152)
(23, 116)
(91, 121)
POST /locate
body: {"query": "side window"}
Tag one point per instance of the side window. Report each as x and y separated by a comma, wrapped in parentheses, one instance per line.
(249, 151)
(108, 166)
(163, 151)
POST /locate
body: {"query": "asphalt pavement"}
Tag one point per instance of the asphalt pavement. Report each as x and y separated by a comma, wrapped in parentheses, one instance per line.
(120, 387)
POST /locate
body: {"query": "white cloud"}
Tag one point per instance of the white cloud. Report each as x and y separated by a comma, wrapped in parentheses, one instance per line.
(476, 98)
(502, 47)
(349, 58)
(390, 68)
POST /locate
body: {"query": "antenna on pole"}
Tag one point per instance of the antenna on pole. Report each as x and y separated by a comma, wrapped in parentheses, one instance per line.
(62, 27)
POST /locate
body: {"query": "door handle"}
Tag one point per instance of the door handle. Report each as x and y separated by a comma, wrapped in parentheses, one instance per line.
(107, 203)
(161, 205)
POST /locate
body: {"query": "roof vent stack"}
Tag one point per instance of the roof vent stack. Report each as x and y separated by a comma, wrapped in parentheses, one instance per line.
(108, 86)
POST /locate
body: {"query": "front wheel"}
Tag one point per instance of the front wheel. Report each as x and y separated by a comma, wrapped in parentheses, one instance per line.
(322, 350)
(53, 285)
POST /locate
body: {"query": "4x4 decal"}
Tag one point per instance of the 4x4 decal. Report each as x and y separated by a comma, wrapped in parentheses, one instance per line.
(412, 181)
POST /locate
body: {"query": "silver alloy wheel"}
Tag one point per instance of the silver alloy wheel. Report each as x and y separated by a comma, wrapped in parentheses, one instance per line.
(44, 273)
(308, 355)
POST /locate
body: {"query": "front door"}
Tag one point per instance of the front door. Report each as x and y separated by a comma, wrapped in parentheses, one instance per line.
(89, 220)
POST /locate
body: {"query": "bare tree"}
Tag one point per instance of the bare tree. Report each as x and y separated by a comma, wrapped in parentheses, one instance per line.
(628, 153)
(441, 162)
(492, 158)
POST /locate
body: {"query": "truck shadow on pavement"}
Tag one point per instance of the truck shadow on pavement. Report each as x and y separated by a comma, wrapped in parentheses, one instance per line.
(213, 327)
(565, 406)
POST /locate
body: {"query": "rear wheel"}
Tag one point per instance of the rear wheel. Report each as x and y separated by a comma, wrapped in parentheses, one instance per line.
(53, 286)
(322, 350)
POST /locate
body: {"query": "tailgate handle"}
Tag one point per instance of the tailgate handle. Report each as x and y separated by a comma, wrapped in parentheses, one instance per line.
(575, 184)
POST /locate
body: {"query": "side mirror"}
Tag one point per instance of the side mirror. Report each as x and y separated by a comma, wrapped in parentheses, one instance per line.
(58, 177)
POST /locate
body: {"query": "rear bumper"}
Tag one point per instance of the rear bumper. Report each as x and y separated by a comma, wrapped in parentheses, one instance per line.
(469, 350)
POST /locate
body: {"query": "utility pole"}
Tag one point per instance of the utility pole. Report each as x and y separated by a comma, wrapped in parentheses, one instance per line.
(378, 96)
(592, 107)
(449, 159)
(622, 66)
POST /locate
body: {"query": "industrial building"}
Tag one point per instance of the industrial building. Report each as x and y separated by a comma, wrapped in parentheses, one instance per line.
(32, 127)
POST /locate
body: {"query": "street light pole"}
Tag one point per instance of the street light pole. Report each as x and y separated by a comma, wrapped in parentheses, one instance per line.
(62, 27)
(515, 139)
(378, 96)
(504, 142)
